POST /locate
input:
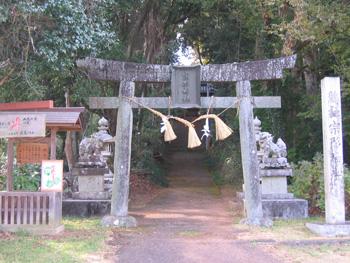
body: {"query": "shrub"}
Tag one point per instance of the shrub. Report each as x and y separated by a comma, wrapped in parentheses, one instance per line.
(224, 162)
(153, 166)
(26, 177)
(2, 171)
(308, 183)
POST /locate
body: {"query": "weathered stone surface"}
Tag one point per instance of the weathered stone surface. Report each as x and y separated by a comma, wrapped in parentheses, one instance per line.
(90, 183)
(250, 166)
(251, 70)
(94, 151)
(285, 208)
(333, 150)
(91, 195)
(119, 221)
(329, 230)
(127, 71)
(240, 195)
(89, 171)
(185, 87)
(122, 157)
(277, 196)
(274, 185)
(271, 155)
(282, 206)
(276, 172)
(205, 102)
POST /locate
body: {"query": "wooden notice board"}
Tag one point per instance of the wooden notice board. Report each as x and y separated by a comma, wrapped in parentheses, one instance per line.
(16, 125)
(32, 152)
(52, 176)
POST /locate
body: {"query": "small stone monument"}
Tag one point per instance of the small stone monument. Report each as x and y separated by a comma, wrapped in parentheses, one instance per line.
(274, 170)
(92, 169)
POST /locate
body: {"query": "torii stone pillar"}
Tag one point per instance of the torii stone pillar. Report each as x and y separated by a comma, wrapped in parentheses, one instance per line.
(252, 198)
(122, 157)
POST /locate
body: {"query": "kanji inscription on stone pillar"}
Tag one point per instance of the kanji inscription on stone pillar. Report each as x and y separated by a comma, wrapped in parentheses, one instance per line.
(333, 150)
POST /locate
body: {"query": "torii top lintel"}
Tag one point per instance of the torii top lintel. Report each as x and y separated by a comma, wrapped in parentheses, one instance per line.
(101, 69)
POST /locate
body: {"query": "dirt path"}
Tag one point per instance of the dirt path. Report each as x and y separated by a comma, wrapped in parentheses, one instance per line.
(188, 222)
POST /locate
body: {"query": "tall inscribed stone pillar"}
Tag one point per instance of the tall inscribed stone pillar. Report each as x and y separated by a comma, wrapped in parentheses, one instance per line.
(333, 161)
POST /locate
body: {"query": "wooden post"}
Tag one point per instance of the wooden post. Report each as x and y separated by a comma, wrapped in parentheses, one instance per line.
(252, 191)
(10, 157)
(53, 140)
(122, 158)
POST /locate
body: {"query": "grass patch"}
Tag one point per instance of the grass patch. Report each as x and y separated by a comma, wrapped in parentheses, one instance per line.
(279, 240)
(282, 230)
(320, 253)
(80, 238)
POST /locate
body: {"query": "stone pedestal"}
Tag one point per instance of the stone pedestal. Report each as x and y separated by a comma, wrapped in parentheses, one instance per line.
(91, 184)
(274, 183)
(276, 201)
(329, 230)
(119, 221)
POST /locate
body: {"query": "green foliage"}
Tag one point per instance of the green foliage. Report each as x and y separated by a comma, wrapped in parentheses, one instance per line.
(45, 39)
(224, 162)
(71, 31)
(148, 163)
(146, 146)
(26, 177)
(308, 183)
(3, 161)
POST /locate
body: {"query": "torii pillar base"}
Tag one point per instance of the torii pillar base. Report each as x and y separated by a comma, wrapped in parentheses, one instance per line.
(119, 221)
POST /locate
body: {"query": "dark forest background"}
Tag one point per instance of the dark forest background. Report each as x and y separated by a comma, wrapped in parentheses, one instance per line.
(41, 40)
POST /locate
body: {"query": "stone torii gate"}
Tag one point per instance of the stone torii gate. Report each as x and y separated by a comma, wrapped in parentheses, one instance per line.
(128, 73)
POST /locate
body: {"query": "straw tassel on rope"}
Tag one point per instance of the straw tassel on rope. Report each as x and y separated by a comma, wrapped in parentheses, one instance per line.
(169, 134)
(193, 140)
(222, 130)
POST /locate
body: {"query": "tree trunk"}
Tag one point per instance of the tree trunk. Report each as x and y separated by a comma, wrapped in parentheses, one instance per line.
(68, 145)
(310, 74)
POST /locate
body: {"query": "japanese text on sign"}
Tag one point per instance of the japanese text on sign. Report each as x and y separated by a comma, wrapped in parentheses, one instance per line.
(22, 125)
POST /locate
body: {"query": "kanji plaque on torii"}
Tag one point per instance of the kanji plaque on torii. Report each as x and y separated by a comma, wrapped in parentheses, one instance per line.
(241, 73)
(185, 87)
